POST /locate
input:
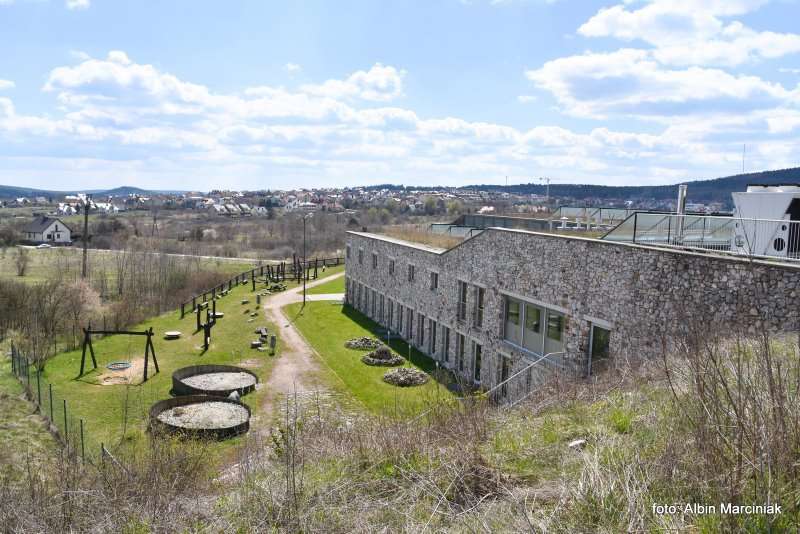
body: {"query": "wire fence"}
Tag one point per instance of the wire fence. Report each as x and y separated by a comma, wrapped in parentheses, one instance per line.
(278, 272)
(68, 427)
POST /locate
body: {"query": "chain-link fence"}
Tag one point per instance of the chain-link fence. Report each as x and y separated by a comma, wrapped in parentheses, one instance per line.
(66, 425)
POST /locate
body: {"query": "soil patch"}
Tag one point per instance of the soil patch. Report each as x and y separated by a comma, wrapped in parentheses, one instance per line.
(131, 375)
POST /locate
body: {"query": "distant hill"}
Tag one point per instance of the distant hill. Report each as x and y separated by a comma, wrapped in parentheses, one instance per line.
(9, 191)
(705, 191)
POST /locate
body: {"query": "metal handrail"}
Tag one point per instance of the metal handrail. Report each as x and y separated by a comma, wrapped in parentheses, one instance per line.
(520, 372)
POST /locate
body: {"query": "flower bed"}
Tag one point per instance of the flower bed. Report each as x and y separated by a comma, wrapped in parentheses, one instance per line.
(383, 355)
(405, 377)
(363, 343)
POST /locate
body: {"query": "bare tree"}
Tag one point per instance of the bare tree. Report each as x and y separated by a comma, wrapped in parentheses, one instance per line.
(22, 260)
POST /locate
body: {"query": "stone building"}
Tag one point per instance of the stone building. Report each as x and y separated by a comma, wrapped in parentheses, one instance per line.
(497, 302)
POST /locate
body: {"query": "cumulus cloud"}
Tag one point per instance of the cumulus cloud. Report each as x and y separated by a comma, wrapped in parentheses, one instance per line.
(78, 4)
(6, 84)
(292, 67)
(115, 115)
(692, 32)
(380, 83)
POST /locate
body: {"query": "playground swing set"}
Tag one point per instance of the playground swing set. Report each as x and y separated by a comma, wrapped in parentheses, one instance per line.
(149, 349)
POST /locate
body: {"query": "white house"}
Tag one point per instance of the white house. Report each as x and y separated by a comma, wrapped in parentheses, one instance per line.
(48, 230)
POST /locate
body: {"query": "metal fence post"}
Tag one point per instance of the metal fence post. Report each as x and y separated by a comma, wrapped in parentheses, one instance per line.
(83, 449)
(50, 387)
(66, 435)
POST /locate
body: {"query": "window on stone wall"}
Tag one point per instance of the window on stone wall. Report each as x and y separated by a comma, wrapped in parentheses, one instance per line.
(374, 260)
(434, 281)
(480, 293)
(361, 256)
(410, 325)
(399, 319)
(421, 331)
(391, 267)
(511, 330)
(410, 273)
(432, 339)
(462, 300)
(461, 343)
(477, 355)
(390, 313)
(347, 251)
(446, 343)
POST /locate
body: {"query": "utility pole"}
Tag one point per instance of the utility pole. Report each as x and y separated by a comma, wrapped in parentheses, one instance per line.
(85, 236)
(304, 258)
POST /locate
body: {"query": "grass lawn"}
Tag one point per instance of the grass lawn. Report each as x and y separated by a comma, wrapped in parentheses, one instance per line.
(334, 286)
(22, 433)
(327, 325)
(118, 413)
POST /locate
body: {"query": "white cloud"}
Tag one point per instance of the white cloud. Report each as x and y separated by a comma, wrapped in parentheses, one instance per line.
(114, 116)
(692, 32)
(78, 4)
(6, 84)
(380, 83)
(630, 82)
(292, 67)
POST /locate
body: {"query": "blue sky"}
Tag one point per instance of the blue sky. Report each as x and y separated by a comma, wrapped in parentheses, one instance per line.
(257, 94)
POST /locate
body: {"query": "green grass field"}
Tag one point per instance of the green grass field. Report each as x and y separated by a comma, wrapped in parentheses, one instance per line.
(334, 286)
(327, 325)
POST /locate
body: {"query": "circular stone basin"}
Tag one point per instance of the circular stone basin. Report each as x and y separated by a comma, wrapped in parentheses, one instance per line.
(217, 380)
(118, 366)
(200, 416)
(172, 334)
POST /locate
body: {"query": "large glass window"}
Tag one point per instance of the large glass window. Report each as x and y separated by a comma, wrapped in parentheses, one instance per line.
(601, 342)
(555, 332)
(512, 325)
(532, 331)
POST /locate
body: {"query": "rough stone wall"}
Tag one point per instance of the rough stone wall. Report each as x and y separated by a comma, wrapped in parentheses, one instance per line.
(643, 292)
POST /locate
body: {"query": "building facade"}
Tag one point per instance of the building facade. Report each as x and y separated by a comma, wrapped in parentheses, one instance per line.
(506, 298)
(48, 230)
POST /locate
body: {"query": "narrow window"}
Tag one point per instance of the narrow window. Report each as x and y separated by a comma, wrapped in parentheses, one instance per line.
(462, 300)
(421, 331)
(380, 311)
(477, 356)
(446, 348)
(479, 296)
(399, 319)
(434, 281)
(374, 261)
(432, 339)
(410, 325)
(410, 273)
(461, 342)
(360, 256)
(391, 267)
(347, 252)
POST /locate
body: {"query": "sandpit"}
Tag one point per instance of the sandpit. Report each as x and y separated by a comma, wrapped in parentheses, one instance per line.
(220, 381)
(131, 375)
(217, 380)
(204, 415)
(200, 416)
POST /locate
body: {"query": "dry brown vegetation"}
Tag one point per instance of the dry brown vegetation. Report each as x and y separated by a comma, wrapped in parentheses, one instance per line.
(417, 233)
(708, 427)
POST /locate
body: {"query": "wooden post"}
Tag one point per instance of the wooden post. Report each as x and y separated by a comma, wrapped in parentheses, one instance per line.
(198, 319)
(182, 310)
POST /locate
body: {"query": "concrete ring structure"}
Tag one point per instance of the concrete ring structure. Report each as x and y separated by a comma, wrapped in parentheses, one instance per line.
(233, 420)
(220, 386)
